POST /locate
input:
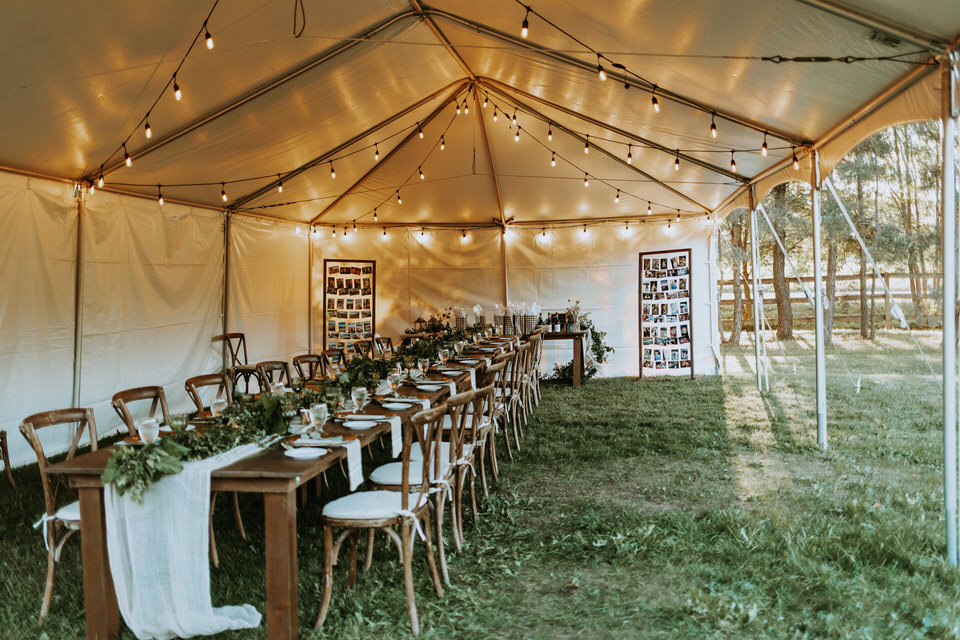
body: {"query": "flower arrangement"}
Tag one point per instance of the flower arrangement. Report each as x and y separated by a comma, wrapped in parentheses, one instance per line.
(575, 315)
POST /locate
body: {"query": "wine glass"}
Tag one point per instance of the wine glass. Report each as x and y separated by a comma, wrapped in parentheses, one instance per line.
(149, 429)
(333, 370)
(276, 388)
(393, 379)
(319, 413)
(217, 406)
(423, 364)
(297, 383)
(177, 421)
(443, 355)
(458, 347)
(333, 396)
(359, 395)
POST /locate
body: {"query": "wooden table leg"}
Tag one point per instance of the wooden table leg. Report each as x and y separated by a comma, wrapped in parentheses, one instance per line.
(99, 597)
(280, 513)
(577, 360)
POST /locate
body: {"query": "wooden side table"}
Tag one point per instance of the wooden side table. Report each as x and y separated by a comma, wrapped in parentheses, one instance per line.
(577, 338)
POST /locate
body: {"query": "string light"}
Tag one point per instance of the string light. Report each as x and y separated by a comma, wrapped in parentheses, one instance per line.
(279, 184)
(333, 232)
(458, 111)
(464, 232)
(421, 232)
(223, 192)
(733, 162)
(713, 125)
(176, 89)
(146, 127)
(466, 107)
(100, 179)
(616, 198)
(553, 159)
(600, 72)
(354, 226)
(419, 130)
(649, 208)
(514, 116)
(653, 100)
(399, 199)
(629, 154)
(375, 217)
(584, 228)
(421, 172)
(586, 146)
(676, 163)
(207, 36)
(494, 114)
(586, 180)
(543, 233)
(525, 25)
(516, 137)
(376, 153)
(126, 156)
(484, 101)
(344, 231)
(93, 189)
(384, 232)
(550, 132)
(443, 144)
(159, 196)
(333, 174)
(796, 163)
(763, 147)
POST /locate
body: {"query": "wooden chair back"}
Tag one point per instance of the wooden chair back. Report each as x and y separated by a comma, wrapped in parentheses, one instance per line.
(496, 369)
(83, 419)
(333, 356)
(385, 345)
(220, 380)
(483, 403)
(426, 432)
(519, 368)
(461, 422)
(237, 344)
(154, 394)
(309, 366)
(270, 372)
(364, 348)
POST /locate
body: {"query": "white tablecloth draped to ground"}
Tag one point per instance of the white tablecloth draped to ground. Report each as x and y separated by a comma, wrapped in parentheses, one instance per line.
(159, 555)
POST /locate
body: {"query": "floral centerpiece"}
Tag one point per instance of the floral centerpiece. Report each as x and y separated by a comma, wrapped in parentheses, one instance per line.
(575, 316)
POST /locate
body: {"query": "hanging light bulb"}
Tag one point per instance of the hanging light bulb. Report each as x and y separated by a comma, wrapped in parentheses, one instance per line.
(466, 107)
(669, 223)
(733, 162)
(586, 180)
(584, 228)
(676, 163)
(333, 174)
(616, 198)
(223, 192)
(344, 231)
(600, 72)
(494, 114)
(458, 111)
(375, 214)
(514, 116)
(333, 232)
(525, 25)
(553, 159)
(484, 101)
(376, 153)
(384, 232)
(653, 100)
(419, 130)
(550, 132)
(176, 89)
(207, 36)
(543, 233)
(354, 226)
(100, 179)
(421, 232)
(399, 199)
(626, 226)
(516, 136)
(159, 196)
(93, 188)
(763, 147)
(796, 163)
(713, 125)
(629, 154)
(126, 156)
(586, 146)
(147, 131)
(649, 208)
(279, 184)
(421, 172)
(443, 144)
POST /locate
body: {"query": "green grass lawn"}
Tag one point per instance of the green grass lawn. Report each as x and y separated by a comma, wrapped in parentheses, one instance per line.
(654, 509)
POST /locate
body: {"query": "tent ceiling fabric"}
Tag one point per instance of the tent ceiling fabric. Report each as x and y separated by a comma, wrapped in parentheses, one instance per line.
(76, 82)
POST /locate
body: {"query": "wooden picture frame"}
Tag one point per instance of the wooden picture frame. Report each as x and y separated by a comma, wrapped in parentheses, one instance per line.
(665, 301)
(349, 302)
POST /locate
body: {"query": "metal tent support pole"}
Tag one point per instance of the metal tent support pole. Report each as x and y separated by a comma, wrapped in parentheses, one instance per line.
(755, 283)
(78, 303)
(310, 292)
(948, 116)
(818, 302)
(225, 304)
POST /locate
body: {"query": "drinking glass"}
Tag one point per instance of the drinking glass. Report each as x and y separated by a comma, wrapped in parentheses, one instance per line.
(409, 362)
(393, 379)
(333, 396)
(458, 347)
(359, 395)
(333, 370)
(217, 405)
(276, 388)
(423, 364)
(297, 383)
(149, 429)
(443, 355)
(319, 414)
(177, 421)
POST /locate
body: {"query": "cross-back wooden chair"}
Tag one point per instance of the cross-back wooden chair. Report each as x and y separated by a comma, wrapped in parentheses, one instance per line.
(270, 372)
(516, 409)
(309, 366)
(485, 444)
(5, 452)
(239, 368)
(333, 356)
(193, 386)
(59, 523)
(502, 396)
(385, 345)
(388, 511)
(533, 370)
(122, 399)
(364, 348)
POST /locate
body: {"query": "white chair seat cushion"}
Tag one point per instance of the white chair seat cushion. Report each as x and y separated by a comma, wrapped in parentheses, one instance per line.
(417, 455)
(369, 505)
(69, 512)
(392, 472)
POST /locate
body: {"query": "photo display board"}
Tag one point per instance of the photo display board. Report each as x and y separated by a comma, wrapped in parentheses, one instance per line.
(666, 327)
(349, 302)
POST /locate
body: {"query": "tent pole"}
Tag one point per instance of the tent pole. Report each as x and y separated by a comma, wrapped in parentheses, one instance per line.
(818, 301)
(755, 285)
(948, 117)
(225, 303)
(78, 303)
(503, 260)
(310, 291)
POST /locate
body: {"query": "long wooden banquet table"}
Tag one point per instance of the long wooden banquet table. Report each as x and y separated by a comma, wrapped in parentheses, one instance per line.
(269, 472)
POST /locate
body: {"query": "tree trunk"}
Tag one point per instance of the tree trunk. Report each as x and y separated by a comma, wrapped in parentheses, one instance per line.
(735, 233)
(831, 286)
(781, 288)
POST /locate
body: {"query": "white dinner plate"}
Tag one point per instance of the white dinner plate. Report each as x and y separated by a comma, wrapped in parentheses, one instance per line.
(451, 372)
(465, 361)
(305, 453)
(396, 406)
(359, 424)
(429, 387)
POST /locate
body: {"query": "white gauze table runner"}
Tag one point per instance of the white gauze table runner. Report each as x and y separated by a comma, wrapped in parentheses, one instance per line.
(159, 555)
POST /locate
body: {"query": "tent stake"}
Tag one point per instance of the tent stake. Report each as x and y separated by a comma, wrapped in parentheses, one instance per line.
(818, 302)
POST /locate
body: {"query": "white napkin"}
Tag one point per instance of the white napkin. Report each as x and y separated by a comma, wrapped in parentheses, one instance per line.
(452, 386)
(354, 463)
(423, 401)
(383, 388)
(396, 435)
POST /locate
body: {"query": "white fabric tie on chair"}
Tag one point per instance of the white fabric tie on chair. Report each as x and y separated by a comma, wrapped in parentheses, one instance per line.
(407, 513)
(159, 555)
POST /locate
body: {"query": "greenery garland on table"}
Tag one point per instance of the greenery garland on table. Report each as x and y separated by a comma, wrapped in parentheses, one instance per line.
(599, 349)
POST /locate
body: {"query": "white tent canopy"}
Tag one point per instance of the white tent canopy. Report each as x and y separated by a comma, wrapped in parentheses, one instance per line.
(107, 291)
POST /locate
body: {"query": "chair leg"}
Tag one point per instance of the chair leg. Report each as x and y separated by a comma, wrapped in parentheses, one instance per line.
(354, 543)
(431, 562)
(494, 467)
(6, 458)
(506, 437)
(473, 495)
(214, 558)
(438, 514)
(51, 568)
(483, 467)
(368, 557)
(327, 576)
(236, 517)
(406, 557)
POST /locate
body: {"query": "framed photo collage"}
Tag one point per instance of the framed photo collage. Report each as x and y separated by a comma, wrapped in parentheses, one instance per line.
(349, 302)
(666, 329)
